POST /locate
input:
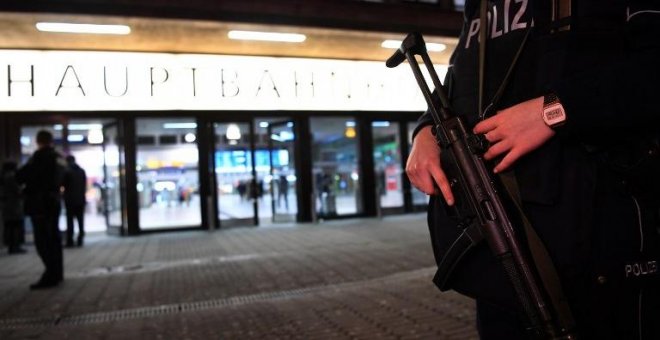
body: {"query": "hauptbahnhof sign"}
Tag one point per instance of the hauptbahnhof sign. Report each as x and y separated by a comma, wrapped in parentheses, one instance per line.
(94, 81)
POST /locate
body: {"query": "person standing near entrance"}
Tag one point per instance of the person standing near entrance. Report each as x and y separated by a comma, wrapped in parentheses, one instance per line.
(42, 175)
(11, 201)
(75, 187)
(283, 191)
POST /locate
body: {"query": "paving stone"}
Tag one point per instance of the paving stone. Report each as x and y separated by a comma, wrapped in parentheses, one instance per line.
(349, 279)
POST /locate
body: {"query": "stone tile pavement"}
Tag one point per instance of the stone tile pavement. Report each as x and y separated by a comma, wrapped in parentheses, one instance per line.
(349, 279)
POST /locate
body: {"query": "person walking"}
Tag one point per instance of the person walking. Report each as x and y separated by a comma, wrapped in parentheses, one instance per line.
(75, 188)
(11, 199)
(42, 175)
(283, 191)
(565, 93)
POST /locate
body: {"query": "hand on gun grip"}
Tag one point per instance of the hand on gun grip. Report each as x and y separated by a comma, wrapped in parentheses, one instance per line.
(424, 167)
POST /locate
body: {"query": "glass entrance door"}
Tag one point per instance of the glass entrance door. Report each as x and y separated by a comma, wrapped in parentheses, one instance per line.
(85, 144)
(335, 166)
(238, 191)
(284, 201)
(388, 171)
(167, 166)
(113, 189)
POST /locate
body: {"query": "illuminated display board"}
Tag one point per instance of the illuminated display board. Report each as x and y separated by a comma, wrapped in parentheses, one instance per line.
(92, 81)
(240, 160)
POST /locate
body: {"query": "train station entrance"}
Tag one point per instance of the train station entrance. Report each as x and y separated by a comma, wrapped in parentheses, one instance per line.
(251, 141)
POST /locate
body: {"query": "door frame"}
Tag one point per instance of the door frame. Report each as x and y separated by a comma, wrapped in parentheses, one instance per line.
(122, 228)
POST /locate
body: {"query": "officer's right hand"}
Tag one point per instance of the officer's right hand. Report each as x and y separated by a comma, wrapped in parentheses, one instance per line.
(423, 167)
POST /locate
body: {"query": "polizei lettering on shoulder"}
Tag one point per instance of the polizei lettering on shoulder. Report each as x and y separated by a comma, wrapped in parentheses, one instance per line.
(503, 18)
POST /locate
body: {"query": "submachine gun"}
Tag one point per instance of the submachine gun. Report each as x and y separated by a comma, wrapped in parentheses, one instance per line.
(471, 182)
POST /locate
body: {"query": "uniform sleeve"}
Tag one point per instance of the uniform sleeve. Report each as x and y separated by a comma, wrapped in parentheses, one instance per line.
(622, 95)
(424, 120)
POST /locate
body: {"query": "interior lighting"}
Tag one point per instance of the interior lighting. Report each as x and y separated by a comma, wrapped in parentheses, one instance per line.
(350, 132)
(180, 126)
(95, 136)
(75, 138)
(78, 127)
(190, 137)
(283, 136)
(84, 127)
(164, 186)
(25, 140)
(380, 124)
(267, 36)
(263, 124)
(233, 132)
(61, 27)
(431, 47)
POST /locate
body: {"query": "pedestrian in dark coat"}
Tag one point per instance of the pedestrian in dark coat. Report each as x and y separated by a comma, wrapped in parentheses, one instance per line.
(75, 187)
(42, 175)
(11, 200)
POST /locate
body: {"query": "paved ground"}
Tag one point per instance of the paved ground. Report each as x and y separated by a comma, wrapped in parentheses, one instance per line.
(354, 279)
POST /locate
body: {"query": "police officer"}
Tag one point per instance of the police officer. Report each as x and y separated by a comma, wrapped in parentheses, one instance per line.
(42, 176)
(577, 124)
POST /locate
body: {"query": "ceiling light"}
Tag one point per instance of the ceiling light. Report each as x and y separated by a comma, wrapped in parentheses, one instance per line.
(431, 47)
(95, 136)
(179, 125)
(380, 124)
(233, 132)
(25, 140)
(350, 132)
(190, 137)
(75, 138)
(61, 27)
(80, 127)
(266, 36)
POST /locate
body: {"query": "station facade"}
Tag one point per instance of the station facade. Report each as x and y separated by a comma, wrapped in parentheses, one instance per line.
(175, 141)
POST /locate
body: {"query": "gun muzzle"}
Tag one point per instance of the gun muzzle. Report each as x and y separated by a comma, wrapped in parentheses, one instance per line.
(413, 43)
(397, 58)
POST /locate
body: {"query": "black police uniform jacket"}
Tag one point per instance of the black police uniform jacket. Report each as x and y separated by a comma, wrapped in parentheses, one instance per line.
(605, 70)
